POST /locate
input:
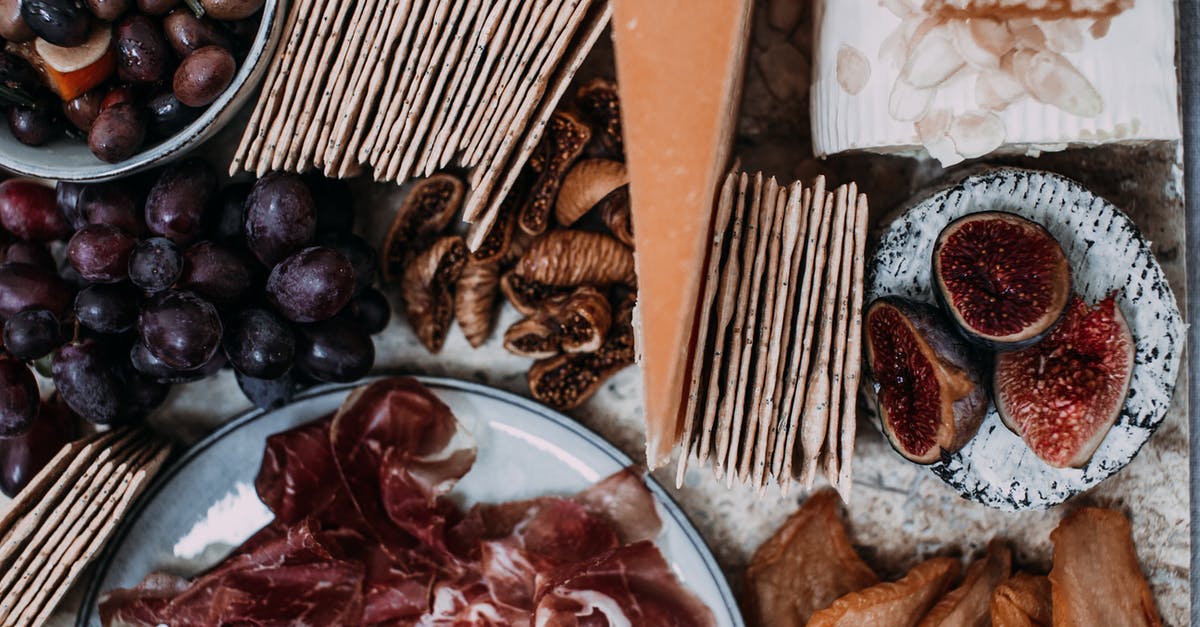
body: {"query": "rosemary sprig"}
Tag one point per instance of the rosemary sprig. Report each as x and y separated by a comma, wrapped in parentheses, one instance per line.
(195, 6)
(15, 96)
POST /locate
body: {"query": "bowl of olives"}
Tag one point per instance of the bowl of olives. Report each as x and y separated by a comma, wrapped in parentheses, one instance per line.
(91, 90)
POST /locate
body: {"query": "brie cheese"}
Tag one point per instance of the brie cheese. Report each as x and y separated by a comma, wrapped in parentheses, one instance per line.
(964, 78)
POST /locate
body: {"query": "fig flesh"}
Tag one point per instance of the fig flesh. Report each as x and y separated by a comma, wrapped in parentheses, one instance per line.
(928, 388)
(1063, 394)
(1003, 279)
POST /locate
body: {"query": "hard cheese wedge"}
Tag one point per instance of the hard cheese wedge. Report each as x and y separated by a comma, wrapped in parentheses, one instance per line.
(679, 66)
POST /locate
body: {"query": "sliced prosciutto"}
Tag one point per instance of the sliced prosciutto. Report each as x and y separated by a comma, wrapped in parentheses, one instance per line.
(364, 534)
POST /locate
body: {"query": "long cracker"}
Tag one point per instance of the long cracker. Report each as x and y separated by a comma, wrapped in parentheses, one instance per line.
(726, 308)
(485, 178)
(351, 59)
(701, 361)
(810, 295)
(400, 74)
(815, 421)
(775, 203)
(841, 328)
(287, 85)
(853, 353)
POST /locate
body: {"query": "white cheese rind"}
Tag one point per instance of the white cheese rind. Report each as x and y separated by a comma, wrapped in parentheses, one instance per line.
(1131, 69)
(1106, 253)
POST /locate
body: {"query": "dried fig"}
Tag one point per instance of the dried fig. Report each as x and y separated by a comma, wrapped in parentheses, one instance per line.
(577, 324)
(928, 389)
(614, 211)
(427, 288)
(562, 144)
(427, 210)
(600, 105)
(1063, 394)
(585, 185)
(1022, 601)
(567, 380)
(569, 258)
(899, 603)
(1002, 279)
(475, 300)
(967, 605)
(536, 337)
(1096, 578)
(496, 244)
(529, 297)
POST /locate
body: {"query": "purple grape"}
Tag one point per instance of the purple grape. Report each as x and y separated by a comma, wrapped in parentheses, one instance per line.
(230, 218)
(66, 196)
(279, 217)
(338, 350)
(267, 394)
(372, 309)
(177, 203)
(23, 456)
(23, 286)
(107, 308)
(155, 264)
(143, 395)
(362, 256)
(32, 334)
(334, 203)
(180, 328)
(259, 344)
(31, 253)
(84, 376)
(145, 363)
(100, 253)
(29, 210)
(313, 284)
(19, 400)
(112, 204)
(216, 273)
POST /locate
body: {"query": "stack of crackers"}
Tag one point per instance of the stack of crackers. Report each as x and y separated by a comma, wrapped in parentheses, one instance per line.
(62, 519)
(774, 375)
(408, 87)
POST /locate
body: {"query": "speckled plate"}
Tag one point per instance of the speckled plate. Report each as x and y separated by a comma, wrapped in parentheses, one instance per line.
(204, 505)
(1107, 253)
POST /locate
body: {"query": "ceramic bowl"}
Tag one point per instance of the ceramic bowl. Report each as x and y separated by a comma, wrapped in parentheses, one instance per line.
(70, 159)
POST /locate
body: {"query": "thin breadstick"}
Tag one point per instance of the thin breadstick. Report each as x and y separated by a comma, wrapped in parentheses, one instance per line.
(841, 328)
(853, 353)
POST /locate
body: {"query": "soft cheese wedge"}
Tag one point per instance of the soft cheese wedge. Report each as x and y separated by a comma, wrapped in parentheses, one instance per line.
(679, 67)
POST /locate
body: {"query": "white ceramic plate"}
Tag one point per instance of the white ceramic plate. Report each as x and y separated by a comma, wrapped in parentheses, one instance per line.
(1106, 253)
(525, 450)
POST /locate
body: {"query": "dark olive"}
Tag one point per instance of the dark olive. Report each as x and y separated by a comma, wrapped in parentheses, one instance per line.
(156, 7)
(64, 23)
(187, 33)
(108, 10)
(36, 125)
(231, 9)
(118, 95)
(203, 75)
(142, 51)
(168, 116)
(82, 110)
(12, 25)
(117, 133)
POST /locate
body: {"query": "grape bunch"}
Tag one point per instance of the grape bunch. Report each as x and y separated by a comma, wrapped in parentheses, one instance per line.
(168, 279)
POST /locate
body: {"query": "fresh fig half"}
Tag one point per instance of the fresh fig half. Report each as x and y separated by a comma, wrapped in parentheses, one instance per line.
(1063, 394)
(928, 387)
(1003, 279)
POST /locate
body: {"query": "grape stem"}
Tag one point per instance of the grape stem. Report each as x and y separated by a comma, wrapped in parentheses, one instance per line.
(196, 7)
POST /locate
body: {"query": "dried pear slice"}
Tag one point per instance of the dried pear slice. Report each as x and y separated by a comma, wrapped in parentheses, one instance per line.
(1096, 579)
(1022, 601)
(805, 566)
(967, 605)
(895, 604)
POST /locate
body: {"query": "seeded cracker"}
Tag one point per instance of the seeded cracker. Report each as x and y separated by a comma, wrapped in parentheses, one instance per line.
(261, 115)
(279, 136)
(853, 353)
(841, 324)
(351, 64)
(286, 86)
(788, 213)
(596, 25)
(342, 73)
(798, 381)
(774, 203)
(816, 404)
(328, 42)
(399, 76)
(485, 28)
(301, 11)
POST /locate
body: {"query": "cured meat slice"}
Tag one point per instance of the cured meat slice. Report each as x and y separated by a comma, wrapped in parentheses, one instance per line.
(967, 605)
(318, 593)
(624, 501)
(1022, 601)
(805, 566)
(897, 604)
(630, 585)
(1096, 578)
(293, 481)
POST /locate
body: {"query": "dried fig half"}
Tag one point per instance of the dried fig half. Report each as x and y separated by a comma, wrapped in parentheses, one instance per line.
(475, 300)
(1022, 601)
(577, 324)
(1063, 394)
(1096, 578)
(426, 210)
(968, 604)
(567, 380)
(428, 289)
(1003, 279)
(530, 297)
(536, 337)
(614, 212)
(562, 144)
(565, 258)
(599, 102)
(585, 185)
(928, 389)
(899, 603)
